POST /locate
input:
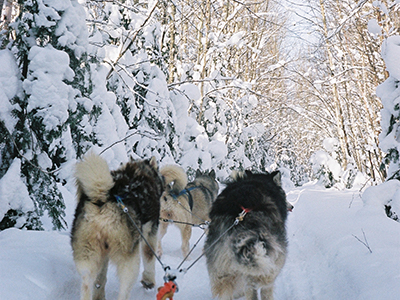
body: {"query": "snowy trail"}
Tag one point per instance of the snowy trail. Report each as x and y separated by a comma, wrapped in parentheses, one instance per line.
(310, 270)
(325, 260)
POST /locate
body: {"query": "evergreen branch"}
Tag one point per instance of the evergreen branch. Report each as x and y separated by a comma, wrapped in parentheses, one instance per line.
(123, 80)
(123, 68)
(23, 156)
(365, 242)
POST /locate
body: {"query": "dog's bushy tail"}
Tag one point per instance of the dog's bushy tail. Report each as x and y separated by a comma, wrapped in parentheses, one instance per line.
(257, 251)
(93, 177)
(176, 175)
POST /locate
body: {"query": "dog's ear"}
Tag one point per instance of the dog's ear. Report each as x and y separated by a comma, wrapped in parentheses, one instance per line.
(277, 178)
(248, 173)
(237, 175)
(153, 163)
(212, 174)
(198, 173)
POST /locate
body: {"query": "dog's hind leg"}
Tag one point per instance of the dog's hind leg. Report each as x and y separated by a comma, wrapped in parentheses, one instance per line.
(128, 265)
(251, 292)
(162, 231)
(267, 293)
(99, 286)
(88, 271)
(186, 233)
(150, 230)
(223, 287)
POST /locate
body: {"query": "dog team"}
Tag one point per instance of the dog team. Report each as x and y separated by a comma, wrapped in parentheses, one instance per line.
(117, 220)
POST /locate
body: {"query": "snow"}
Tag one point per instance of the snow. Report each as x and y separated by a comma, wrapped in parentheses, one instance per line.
(326, 259)
(191, 91)
(391, 54)
(48, 94)
(14, 194)
(321, 159)
(373, 27)
(72, 27)
(9, 86)
(341, 243)
(389, 93)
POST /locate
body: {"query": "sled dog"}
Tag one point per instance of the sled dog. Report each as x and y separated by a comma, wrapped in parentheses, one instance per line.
(250, 255)
(103, 232)
(190, 204)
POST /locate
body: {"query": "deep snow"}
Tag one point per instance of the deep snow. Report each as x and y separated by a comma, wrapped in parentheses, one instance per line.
(325, 261)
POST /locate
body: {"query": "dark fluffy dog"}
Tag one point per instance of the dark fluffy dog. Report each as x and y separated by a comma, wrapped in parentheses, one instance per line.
(103, 232)
(250, 255)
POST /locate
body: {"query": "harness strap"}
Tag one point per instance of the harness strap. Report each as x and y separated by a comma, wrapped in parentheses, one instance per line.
(238, 219)
(125, 209)
(186, 191)
(190, 199)
(170, 287)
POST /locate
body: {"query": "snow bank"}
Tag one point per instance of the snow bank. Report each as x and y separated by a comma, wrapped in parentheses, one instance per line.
(14, 194)
(326, 259)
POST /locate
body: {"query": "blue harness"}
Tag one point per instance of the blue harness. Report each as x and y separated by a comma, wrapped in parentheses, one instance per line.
(185, 191)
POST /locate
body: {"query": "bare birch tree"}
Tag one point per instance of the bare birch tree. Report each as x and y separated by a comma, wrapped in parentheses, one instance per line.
(348, 68)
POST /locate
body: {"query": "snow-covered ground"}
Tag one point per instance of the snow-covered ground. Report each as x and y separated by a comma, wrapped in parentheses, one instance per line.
(327, 259)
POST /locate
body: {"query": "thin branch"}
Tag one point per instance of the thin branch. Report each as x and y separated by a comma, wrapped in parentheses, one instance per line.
(355, 10)
(365, 242)
(146, 134)
(134, 37)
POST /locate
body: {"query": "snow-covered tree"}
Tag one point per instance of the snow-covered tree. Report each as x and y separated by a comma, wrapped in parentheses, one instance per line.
(389, 92)
(125, 39)
(46, 107)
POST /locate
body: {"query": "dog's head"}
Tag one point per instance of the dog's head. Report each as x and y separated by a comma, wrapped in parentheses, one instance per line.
(208, 180)
(273, 177)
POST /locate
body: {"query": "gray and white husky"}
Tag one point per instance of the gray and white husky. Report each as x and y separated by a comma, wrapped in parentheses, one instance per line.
(248, 256)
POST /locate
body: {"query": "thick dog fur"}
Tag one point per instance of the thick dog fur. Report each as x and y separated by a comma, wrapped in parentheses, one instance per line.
(102, 232)
(176, 205)
(249, 256)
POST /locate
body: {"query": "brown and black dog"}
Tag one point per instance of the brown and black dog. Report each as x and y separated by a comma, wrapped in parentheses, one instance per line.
(103, 232)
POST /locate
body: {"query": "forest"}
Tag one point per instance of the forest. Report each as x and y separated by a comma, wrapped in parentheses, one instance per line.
(306, 86)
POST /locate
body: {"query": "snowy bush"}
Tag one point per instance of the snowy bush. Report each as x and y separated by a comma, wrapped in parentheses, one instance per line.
(389, 92)
(324, 165)
(327, 170)
(385, 197)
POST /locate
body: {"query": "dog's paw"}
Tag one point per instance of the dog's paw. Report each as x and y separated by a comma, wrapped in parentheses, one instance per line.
(147, 285)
